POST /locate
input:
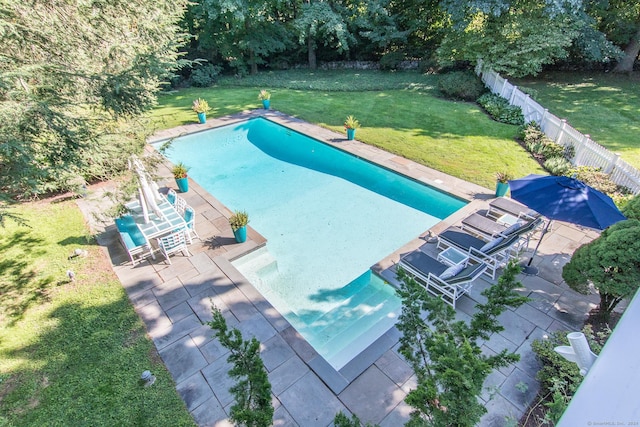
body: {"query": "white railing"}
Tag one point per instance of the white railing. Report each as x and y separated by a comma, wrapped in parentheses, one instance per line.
(587, 151)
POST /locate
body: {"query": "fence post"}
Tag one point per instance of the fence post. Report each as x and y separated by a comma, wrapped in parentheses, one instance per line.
(513, 94)
(524, 107)
(561, 131)
(544, 116)
(612, 163)
(504, 85)
(579, 149)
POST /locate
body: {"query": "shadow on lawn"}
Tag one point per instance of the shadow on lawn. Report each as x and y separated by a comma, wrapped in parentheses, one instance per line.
(20, 286)
(89, 371)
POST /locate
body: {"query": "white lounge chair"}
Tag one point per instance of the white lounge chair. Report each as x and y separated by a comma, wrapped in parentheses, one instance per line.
(494, 253)
(441, 280)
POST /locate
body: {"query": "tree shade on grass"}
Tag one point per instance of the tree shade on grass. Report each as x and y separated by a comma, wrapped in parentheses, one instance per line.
(605, 106)
(71, 353)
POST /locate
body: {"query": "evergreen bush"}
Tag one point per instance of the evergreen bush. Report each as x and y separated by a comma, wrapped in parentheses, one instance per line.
(560, 378)
(500, 109)
(391, 61)
(461, 85)
(205, 75)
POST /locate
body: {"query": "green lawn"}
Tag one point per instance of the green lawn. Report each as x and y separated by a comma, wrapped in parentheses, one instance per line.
(407, 118)
(603, 105)
(71, 353)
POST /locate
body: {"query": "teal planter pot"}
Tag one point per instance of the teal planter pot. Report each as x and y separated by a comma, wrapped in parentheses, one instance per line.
(266, 103)
(202, 118)
(183, 184)
(351, 133)
(501, 188)
(240, 234)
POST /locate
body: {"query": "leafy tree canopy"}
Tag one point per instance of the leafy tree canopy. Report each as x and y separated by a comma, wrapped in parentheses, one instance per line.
(72, 73)
(611, 263)
(517, 37)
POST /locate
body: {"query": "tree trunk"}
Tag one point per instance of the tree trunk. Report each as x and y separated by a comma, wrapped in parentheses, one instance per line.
(607, 304)
(630, 55)
(312, 53)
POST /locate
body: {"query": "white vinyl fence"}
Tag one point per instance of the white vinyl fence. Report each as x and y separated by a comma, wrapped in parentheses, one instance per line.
(587, 151)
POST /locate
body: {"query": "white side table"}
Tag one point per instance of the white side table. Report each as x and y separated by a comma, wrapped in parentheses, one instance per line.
(507, 219)
(452, 256)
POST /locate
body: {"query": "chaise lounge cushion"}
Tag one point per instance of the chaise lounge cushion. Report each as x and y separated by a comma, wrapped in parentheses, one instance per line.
(131, 235)
(492, 244)
(451, 271)
(460, 238)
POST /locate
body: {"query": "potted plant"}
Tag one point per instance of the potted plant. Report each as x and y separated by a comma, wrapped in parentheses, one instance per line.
(180, 174)
(350, 125)
(238, 222)
(265, 97)
(502, 183)
(201, 107)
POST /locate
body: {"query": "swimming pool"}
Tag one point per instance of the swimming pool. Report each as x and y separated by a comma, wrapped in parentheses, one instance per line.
(327, 216)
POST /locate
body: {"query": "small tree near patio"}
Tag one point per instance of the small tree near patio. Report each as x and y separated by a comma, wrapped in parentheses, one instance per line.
(252, 392)
(611, 263)
(445, 354)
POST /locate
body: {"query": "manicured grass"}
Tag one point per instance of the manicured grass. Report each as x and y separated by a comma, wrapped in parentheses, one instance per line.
(71, 353)
(453, 137)
(603, 105)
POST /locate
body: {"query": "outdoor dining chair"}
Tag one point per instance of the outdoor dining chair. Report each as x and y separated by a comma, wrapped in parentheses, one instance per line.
(190, 219)
(173, 243)
(134, 242)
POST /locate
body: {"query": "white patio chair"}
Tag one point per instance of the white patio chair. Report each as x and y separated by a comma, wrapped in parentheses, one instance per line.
(190, 219)
(180, 205)
(172, 196)
(172, 243)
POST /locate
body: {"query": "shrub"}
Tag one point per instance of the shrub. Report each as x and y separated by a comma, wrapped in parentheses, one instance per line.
(531, 133)
(500, 109)
(559, 377)
(595, 178)
(552, 150)
(632, 208)
(461, 85)
(557, 165)
(205, 75)
(391, 60)
(428, 66)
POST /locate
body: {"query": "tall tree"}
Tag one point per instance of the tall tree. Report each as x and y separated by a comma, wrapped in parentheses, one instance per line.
(445, 354)
(241, 32)
(71, 73)
(516, 37)
(620, 21)
(320, 21)
(611, 263)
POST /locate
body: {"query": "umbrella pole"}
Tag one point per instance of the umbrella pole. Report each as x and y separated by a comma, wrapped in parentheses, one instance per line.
(528, 269)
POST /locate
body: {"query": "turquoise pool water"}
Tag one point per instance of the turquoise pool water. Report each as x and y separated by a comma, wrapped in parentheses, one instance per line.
(327, 215)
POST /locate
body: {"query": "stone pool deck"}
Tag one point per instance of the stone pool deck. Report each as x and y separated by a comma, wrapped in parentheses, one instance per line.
(174, 300)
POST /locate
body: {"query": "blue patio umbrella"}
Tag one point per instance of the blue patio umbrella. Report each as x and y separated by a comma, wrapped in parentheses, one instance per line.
(564, 199)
